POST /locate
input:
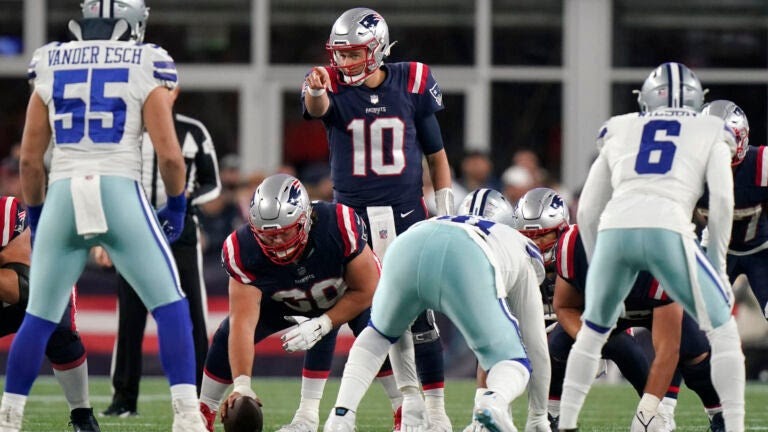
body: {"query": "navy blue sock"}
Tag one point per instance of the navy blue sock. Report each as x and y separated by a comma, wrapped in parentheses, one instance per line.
(429, 353)
(674, 386)
(26, 355)
(697, 378)
(177, 351)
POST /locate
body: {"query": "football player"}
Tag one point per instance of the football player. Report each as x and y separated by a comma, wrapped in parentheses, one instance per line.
(640, 195)
(748, 249)
(292, 263)
(92, 99)
(65, 349)
(380, 120)
(542, 216)
(484, 276)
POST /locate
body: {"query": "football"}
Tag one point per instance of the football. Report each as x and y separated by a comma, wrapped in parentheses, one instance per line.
(244, 416)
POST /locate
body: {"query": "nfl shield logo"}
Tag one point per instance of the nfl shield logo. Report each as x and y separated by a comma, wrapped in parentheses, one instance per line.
(383, 234)
(374, 99)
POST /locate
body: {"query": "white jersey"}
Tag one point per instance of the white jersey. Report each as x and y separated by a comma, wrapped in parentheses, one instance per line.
(652, 169)
(95, 91)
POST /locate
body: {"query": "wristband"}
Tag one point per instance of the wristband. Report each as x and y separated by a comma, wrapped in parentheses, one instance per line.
(316, 92)
(178, 203)
(242, 385)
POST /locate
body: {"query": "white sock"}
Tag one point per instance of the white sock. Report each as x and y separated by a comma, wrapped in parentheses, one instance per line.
(649, 404)
(185, 397)
(553, 407)
(583, 363)
(74, 382)
(364, 361)
(311, 393)
(728, 373)
(14, 401)
(434, 399)
(508, 378)
(670, 403)
(479, 392)
(212, 392)
(390, 388)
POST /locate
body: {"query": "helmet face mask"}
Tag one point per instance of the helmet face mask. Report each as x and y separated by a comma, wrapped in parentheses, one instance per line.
(671, 85)
(488, 204)
(133, 11)
(280, 218)
(539, 213)
(358, 29)
(736, 119)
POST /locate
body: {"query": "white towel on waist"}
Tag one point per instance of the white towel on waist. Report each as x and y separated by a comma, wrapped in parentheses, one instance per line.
(86, 199)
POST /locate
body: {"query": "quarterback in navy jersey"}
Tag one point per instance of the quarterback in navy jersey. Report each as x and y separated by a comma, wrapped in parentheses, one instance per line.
(380, 122)
(542, 215)
(292, 263)
(748, 249)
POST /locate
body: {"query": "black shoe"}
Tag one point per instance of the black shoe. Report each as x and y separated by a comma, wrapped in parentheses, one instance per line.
(82, 420)
(717, 423)
(553, 421)
(116, 409)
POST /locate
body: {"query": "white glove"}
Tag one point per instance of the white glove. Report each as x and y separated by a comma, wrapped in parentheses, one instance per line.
(414, 412)
(305, 334)
(444, 201)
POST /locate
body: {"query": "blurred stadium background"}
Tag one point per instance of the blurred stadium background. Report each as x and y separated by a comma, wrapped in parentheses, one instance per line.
(537, 75)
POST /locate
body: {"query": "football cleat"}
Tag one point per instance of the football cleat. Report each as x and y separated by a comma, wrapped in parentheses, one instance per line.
(82, 420)
(717, 423)
(303, 421)
(116, 409)
(438, 420)
(10, 419)
(340, 420)
(187, 420)
(209, 415)
(667, 413)
(493, 413)
(554, 422)
(475, 426)
(644, 422)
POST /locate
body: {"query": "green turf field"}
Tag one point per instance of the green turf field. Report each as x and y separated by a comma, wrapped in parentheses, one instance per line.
(608, 408)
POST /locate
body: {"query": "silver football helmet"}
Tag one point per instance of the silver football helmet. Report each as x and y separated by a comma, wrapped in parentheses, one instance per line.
(671, 85)
(280, 218)
(133, 11)
(539, 212)
(355, 29)
(735, 119)
(488, 204)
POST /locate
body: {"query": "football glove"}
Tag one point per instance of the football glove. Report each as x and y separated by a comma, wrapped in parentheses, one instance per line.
(171, 217)
(444, 201)
(33, 217)
(305, 334)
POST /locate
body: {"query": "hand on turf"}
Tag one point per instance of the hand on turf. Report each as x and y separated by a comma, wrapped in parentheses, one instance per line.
(230, 401)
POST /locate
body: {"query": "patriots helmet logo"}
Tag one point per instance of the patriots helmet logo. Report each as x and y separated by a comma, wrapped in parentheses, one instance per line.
(294, 194)
(557, 202)
(370, 21)
(437, 94)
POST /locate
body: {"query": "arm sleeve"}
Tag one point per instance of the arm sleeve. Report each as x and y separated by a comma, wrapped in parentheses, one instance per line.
(208, 183)
(352, 232)
(720, 183)
(526, 305)
(595, 195)
(428, 134)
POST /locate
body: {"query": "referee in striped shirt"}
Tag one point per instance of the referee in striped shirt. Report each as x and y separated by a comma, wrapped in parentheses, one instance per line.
(203, 185)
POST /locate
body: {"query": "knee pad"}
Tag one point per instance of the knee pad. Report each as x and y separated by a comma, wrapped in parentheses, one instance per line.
(64, 346)
(425, 328)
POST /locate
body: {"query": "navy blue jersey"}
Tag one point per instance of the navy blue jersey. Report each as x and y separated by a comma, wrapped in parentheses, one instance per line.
(315, 282)
(572, 266)
(13, 219)
(750, 190)
(375, 153)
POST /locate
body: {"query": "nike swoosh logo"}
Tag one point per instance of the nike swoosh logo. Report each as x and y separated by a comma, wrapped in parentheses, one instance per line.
(406, 214)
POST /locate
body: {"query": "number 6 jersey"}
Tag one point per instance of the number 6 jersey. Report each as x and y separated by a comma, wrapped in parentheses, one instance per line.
(95, 91)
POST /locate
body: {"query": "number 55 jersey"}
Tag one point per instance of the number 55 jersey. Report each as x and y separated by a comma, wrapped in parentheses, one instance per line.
(98, 89)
